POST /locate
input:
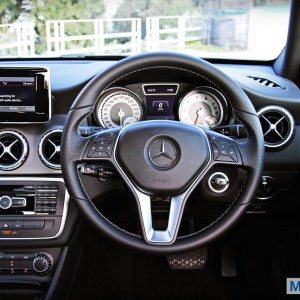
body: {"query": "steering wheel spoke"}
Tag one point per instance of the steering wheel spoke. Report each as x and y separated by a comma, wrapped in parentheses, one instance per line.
(160, 237)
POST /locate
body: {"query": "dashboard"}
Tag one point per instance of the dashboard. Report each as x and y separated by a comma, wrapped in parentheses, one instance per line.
(150, 96)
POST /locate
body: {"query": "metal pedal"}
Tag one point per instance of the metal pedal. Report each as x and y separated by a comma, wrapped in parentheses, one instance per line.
(192, 260)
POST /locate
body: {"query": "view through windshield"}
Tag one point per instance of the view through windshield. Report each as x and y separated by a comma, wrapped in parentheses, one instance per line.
(236, 29)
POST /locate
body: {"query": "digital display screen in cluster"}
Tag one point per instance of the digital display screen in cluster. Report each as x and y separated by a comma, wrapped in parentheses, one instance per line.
(160, 106)
(160, 100)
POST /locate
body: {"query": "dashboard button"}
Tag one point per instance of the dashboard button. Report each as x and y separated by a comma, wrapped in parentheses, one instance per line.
(6, 224)
(26, 262)
(28, 224)
(5, 202)
(18, 225)
(39, 224)
(12, 261)
(18, 201)
(29, 187)
(2, 261)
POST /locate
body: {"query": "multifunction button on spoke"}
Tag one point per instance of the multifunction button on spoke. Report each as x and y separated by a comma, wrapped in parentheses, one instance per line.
(223, 150)
(102, 146)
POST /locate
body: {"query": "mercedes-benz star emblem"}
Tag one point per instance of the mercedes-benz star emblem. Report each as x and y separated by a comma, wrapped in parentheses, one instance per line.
(162, 153)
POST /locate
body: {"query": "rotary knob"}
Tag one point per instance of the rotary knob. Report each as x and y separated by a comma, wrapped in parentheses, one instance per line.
(5, 202)
(42, 263)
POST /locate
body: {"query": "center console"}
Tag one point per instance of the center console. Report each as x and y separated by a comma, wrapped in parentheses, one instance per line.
(32, 208)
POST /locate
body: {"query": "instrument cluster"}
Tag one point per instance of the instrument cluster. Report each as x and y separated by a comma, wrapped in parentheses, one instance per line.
(202, 106)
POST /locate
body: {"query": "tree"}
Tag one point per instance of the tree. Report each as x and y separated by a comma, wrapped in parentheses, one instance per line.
(9, 11)
(25, 7)
(151, 8)
(64, 10)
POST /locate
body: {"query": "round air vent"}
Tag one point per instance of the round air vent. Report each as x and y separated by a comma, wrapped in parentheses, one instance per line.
(277, 124)
(49, 149)
(13, 150)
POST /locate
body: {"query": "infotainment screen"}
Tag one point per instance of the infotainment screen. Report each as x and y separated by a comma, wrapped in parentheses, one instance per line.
(17, 94)
(24, 95)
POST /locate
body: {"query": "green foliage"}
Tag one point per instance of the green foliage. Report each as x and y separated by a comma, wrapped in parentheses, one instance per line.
(151, 8)
(64, 10)
(8, 11)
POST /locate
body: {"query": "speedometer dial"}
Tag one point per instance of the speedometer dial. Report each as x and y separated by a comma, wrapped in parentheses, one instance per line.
(202, 107)
(117, 107)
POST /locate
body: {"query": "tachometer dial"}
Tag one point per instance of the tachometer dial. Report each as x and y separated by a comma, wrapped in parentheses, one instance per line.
(202, 107)
(117, 107)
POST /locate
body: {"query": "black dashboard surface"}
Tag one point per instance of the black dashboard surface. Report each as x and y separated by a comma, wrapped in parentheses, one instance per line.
(68, 77)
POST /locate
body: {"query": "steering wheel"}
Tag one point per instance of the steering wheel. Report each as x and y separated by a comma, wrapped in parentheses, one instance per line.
(165, 158)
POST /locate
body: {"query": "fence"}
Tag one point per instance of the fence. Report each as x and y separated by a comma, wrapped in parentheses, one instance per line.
(101, 36)
(17, 39)
(173, 31)
(128, 35)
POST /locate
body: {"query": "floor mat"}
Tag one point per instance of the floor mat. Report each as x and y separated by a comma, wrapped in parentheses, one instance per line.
(107, 271)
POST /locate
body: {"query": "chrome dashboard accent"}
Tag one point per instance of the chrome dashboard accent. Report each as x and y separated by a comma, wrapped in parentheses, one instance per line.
(7, 149)
(273, 127)
(56, 149)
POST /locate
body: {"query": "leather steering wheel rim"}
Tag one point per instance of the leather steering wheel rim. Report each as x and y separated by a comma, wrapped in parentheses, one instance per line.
(252, 149)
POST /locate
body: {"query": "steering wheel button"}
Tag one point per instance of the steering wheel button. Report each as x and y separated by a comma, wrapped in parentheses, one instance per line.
(225, 158)
(232, 153)
(224, 152)
(213, 137)
(101, 148)
(102, 154)
(109, 150)
(92, 149)
(111, 135)
(216, 151)
(224, 149)
(104, 142)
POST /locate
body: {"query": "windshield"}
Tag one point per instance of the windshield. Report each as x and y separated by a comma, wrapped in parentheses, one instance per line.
(235, 29)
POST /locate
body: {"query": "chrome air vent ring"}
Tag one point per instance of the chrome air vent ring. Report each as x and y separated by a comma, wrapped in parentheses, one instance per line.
(13, 150)
(278, 126)
(49, 149)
